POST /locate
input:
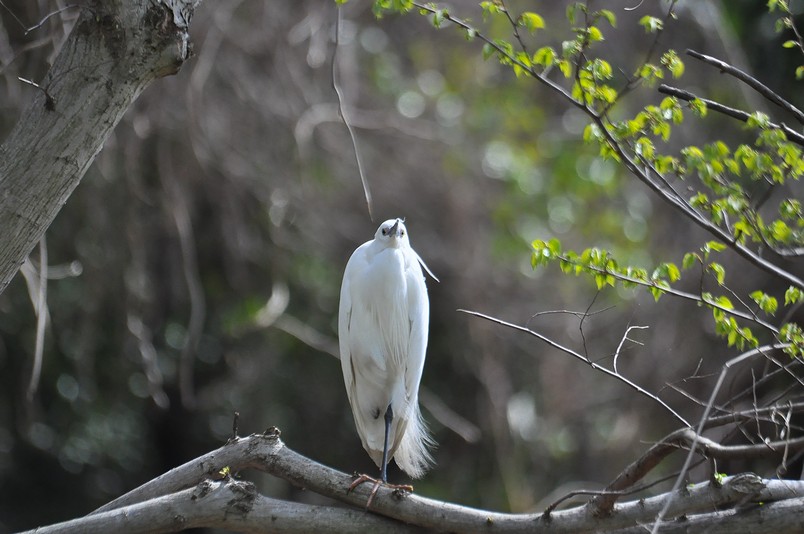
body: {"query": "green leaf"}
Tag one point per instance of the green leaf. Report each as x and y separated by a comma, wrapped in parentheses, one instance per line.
(565, 67)
(644, 147)
(790, 208)
(488, 51)
(780, 231)
(650, 73)
(714, 246)
(531, 21)
(800, 72)
(594, 34)
(545, 56)
(438, 17)
(758, 120)
(673, 63)
(651, 24)
(673, 274)
(609, 16)
(572, 9)
(724, 302)
(718, 271)
(789, 44)
(698, 107)
(767, 303)
(657, 291)
(690, 259)
(601, 69)
(491, 8)
(793, 295)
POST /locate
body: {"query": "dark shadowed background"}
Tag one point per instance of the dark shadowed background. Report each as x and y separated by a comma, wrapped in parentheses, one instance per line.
(196, 270)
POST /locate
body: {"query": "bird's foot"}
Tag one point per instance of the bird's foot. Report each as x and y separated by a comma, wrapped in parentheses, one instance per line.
(399, 489)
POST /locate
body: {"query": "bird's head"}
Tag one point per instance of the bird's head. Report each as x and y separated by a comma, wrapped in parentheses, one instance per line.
(392, 233)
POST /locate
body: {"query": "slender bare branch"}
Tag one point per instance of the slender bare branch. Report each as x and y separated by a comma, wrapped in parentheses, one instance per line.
(677, 293)
(342, 110)
(734, 113)
(752, 82)
(582, 358)
(697, 437)
(686, 439)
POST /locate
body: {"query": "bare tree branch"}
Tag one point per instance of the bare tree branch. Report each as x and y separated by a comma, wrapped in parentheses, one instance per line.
(232, 505)
(684, 438)
(185, 497)
(581, 357)
(752, 82)
(734, 113)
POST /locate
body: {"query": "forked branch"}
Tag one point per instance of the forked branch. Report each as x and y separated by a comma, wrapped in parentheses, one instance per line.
(203, 492)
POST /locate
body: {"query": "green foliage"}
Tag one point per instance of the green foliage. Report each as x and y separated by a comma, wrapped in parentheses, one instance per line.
(380, 7)
(767, 303)
(726, 184)
(531, 21)
(729, 321)
(673, 63)
(651, 24)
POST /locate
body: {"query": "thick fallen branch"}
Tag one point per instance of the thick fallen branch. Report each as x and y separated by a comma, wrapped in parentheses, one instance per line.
(186, 497)
(231, 504)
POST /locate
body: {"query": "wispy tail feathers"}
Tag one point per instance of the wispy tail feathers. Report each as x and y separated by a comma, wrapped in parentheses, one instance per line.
(413, 455)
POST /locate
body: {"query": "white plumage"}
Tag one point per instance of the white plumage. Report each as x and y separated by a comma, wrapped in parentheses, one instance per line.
(382, 328)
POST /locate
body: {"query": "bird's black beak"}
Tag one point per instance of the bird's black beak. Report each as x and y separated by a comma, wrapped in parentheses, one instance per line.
(394, 229)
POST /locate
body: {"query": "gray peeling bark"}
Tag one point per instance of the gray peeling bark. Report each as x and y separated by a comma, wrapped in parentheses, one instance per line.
(115, 50)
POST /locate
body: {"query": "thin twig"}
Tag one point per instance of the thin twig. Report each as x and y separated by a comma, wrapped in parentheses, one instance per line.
(695, 443)
(582, 358)
(688, 460)
(752, 82)
(734, 113)
(41, 21)
(41, 321)
(601, 493)
(342, 110)
(676, 293)
(622, 341)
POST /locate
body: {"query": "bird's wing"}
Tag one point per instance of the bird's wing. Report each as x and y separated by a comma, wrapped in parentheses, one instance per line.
(419, 317)
(356, 374)
(344, 318)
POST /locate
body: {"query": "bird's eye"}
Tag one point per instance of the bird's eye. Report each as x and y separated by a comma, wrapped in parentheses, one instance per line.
(402, 233)
(384, 231)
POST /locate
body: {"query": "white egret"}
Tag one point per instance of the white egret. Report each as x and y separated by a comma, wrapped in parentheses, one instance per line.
(382, 328)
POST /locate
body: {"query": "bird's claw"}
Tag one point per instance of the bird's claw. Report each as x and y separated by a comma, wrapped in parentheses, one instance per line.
(400, 490)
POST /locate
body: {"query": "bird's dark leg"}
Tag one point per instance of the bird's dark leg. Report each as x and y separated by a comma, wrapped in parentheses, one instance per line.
(389, 417)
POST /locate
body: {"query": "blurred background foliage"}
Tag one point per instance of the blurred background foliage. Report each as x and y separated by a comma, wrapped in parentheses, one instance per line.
(196, 270)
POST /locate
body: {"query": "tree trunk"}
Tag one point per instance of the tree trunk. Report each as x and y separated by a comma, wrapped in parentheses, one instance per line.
(115, 50)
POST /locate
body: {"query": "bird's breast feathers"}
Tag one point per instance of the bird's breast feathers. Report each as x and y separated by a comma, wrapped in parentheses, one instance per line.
(385, 288)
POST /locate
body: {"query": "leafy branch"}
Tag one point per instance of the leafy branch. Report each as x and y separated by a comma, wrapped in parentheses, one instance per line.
(595, 98)
(606, 271)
